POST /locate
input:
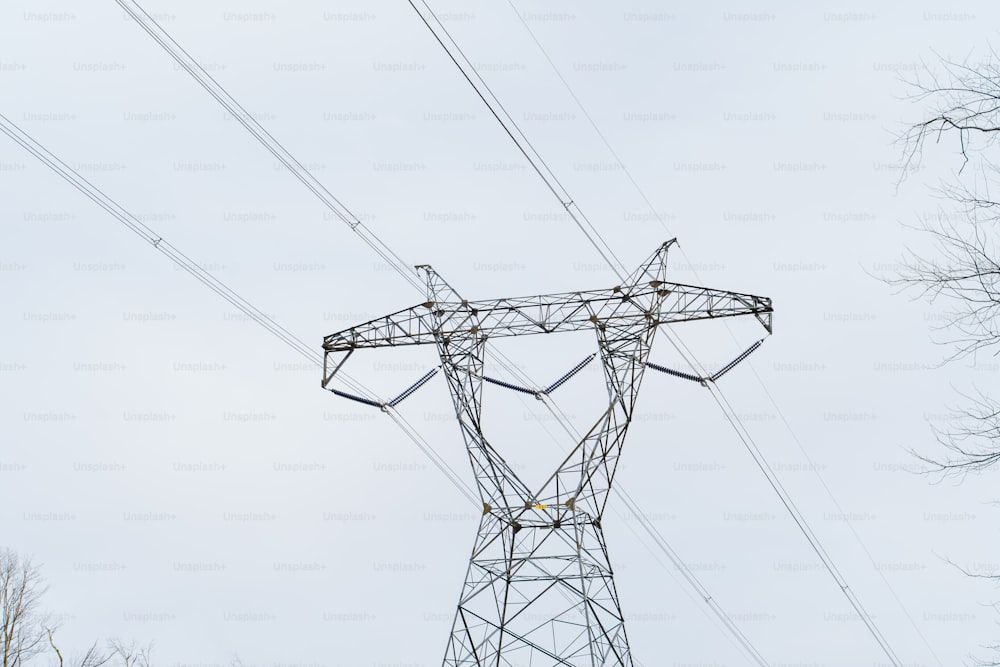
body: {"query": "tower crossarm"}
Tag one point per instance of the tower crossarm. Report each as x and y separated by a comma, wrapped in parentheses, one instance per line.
(649, 303)
(656, 302)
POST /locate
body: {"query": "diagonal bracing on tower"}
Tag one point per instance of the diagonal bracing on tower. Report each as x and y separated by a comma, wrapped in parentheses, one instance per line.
(540, 588)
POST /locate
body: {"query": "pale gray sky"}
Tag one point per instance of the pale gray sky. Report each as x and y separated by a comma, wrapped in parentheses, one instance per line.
(183, 478)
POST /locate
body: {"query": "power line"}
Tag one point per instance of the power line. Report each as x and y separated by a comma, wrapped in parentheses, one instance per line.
(656, 215)
(216, 90)
(206, 278)
(221, 95)
(471, 75)
(230, 296)
(522, 142)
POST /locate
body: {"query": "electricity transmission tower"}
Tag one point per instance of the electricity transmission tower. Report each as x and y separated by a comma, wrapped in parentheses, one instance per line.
(539, 589)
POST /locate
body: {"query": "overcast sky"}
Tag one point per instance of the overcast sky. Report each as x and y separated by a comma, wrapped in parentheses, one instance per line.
(181, 476)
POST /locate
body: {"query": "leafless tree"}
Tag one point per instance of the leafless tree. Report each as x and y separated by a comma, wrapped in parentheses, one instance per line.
(972, 442)
(961, 274)
(961, 102)
(91, 658)
(21, 633)
(119, 654)
(26, 633)
(130, 655)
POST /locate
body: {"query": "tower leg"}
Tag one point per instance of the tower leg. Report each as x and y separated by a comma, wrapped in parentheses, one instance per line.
(539, 592)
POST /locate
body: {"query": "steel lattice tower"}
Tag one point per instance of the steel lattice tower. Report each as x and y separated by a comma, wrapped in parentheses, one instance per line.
(539, 590)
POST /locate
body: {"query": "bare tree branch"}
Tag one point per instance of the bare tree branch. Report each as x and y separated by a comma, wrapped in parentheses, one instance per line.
(91, 658)
(971, 444)
(961, 99)
(55, 648)
(21, 633)
(24, 629)
(131, 655)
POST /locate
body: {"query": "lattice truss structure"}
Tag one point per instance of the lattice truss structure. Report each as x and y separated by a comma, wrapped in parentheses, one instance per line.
(540, 589)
